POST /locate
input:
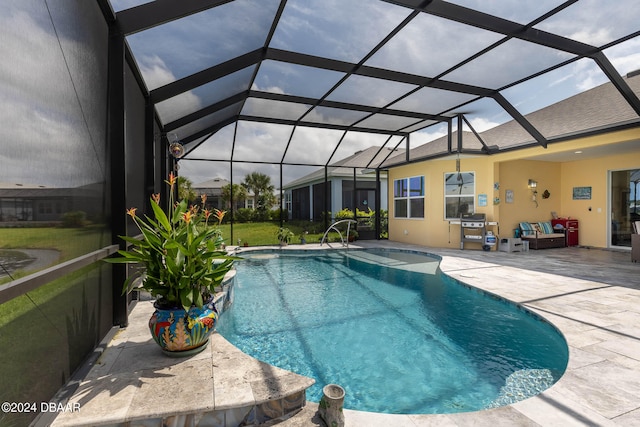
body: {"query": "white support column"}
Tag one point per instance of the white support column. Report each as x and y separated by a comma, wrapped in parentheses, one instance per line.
(336, 196)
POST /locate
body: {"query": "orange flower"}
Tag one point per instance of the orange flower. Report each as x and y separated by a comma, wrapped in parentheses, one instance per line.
(132, 212)
(172, 180)
(156, 198)
(220, 215)
(203, 198)
(207, 213)
(187, 216)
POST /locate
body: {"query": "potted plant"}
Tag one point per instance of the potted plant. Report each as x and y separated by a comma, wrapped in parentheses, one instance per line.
(183, 266)
(284, 235)
(353, 235)
(303, 238)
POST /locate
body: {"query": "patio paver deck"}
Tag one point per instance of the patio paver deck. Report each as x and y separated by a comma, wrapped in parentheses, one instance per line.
(134, 384)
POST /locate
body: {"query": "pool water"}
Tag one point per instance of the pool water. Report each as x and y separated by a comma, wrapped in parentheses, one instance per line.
(397, 334)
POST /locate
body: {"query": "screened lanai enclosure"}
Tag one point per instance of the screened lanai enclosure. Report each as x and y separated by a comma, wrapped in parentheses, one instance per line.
(292, 88)
(320, 96)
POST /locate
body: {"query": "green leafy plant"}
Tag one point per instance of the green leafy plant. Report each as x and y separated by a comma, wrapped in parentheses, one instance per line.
(74, 219)
(345, 213)
(284, 235)
(179, 250)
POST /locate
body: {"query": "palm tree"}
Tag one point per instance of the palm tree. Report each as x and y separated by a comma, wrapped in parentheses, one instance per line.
(260, 185)
(238, 191)
(185, 189)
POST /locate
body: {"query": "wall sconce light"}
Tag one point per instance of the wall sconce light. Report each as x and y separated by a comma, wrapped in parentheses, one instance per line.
(534, 193)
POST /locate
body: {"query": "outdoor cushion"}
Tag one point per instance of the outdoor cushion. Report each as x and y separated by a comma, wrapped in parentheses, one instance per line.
(546, 227)
(527, 229)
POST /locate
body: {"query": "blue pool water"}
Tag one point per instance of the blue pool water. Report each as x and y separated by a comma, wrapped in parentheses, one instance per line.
(386, 325)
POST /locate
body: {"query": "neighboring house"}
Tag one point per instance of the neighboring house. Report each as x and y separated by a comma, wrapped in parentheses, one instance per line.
(591, 178)
(37, 203)
(213, 189)
(346, 186)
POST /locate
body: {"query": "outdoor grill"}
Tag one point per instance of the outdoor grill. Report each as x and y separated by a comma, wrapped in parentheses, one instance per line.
(473, 228)
(478, 220)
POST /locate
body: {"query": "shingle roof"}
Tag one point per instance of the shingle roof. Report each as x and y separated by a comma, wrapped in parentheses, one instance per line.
(372, 155)
(214, 183)
(592, 110)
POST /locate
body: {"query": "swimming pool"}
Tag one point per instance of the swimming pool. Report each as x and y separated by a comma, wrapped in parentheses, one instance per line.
(397, 334)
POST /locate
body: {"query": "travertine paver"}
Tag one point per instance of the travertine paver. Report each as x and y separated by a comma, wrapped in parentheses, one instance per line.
(134, 380)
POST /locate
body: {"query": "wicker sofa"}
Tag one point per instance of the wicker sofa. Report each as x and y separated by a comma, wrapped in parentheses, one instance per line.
(541, 235)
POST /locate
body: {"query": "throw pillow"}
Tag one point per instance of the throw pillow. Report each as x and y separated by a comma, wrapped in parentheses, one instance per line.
(546, 227)
(527, 229)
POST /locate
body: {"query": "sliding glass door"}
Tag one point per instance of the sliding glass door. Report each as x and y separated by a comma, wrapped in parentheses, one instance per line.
(624, 193)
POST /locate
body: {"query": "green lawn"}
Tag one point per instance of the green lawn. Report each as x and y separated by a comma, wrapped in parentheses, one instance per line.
(71, 242)
(42, 321)
(264, 233)
(74, 242)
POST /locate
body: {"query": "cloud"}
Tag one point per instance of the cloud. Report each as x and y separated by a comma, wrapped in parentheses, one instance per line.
(513, 10)
(155, 71)
(625, 56)
(480, 124)
(45, 137)
(331, 26)
(595, 37)
(202, 40)
(428, 53)
(158, 74)
(589, 22)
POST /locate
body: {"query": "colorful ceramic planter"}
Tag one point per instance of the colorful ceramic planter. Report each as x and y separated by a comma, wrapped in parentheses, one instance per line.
(180, 333)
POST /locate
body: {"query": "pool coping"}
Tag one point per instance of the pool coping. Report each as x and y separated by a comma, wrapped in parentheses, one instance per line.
(600, 323)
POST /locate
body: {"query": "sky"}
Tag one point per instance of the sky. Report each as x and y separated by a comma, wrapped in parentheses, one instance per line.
(339, 29)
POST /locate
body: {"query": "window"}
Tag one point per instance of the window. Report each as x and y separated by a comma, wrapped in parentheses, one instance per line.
(459, 194)
(408, 197)
(287, 201)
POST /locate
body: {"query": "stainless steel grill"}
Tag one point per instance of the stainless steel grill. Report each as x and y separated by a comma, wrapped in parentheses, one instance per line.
(473, 228)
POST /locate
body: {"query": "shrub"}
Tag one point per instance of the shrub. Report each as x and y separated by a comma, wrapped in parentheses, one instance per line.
(243, 215)
(274, 215)
(345, 213)
(260, 215)
(74, 219)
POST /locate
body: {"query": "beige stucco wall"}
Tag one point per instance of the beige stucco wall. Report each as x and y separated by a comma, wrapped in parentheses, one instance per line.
(512, 171)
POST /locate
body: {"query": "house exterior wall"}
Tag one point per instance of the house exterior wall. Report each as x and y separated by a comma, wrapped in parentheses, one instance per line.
(433, 229)
(514, 176)
(512, 171)
(594, 173)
